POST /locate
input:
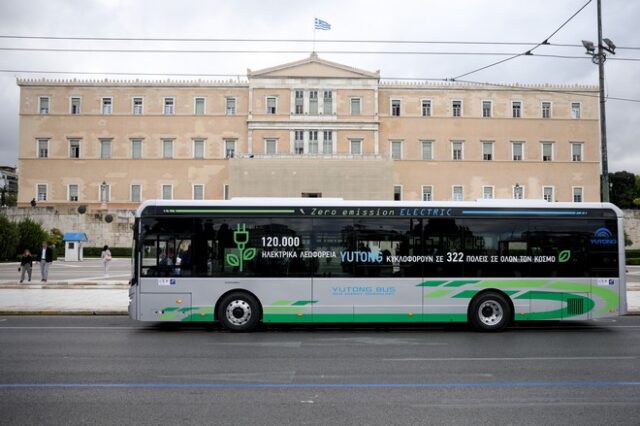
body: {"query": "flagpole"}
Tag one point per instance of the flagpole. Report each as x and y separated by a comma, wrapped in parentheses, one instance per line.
(314, 36)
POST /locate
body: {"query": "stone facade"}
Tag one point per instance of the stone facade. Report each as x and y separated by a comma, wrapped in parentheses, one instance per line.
(632, 227)
(307, 127)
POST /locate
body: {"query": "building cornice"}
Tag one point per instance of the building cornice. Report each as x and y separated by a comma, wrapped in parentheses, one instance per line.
(40, 82)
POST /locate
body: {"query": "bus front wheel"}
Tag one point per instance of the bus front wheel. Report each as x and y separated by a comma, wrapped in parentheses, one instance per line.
(239, 312)
(490, 312)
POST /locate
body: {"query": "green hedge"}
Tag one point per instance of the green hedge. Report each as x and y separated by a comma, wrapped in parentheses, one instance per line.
(632, 253)
(633, 261)
(115, 251)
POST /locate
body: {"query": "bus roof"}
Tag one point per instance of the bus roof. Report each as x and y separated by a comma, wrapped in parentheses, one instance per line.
(339, 202)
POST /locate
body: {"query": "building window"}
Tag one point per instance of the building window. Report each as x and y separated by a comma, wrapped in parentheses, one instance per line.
(198, 149)
(575, 110)
(136, 148)
(107, 106)
(456, 150)
(355, 106)
(226, 195)
(74, 148)
(169, 106)
(313, 102)
(576, 152)
(487, 151)
(271, 105)
(229, 148)
(458, 193)
(270, 146)
(546, 110)
(355, 147)
(167, 192)
(198, 106)
(298, 102)
(138, 106)
(73, 192)
(396, 150)
(577, 194)
(517, 151)
(427, 193)
(43, 104)
(397, 193)
(518, 192)
(313, 141)
(426, 108)
(547, 151)
(516, 109)
(486, 109)
(105, 149)
(327, 107)
(298, 142)
(75, 105)
(487, 192)
(427, 150)
(43, 148)
(230, 106)
(41, 192)
(395, 107)
(167, 148)
(456, 108)
(547, 193)
(198, 192)
(327, 142)
(136, 193)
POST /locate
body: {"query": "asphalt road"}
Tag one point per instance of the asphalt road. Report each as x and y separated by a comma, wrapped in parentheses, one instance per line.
(72, 272)
(110, 370)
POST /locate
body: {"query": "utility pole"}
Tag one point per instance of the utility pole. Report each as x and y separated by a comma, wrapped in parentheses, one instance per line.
(598, 58)
(604, 180)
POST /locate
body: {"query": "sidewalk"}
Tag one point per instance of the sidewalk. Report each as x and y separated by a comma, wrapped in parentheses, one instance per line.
(112, 298)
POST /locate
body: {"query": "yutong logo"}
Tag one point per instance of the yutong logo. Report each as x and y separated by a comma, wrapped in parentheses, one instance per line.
(603, 237)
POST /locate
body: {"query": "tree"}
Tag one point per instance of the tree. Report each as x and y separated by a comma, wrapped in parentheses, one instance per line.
(622, 189)
(9, 239)
(31, 235)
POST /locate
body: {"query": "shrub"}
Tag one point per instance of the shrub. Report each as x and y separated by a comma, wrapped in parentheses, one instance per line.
(9, 239)
(115, 251)
(633, 261)
(632, 253)
(31, 235)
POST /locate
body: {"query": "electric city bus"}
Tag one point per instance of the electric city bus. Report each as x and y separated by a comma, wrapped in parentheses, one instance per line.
(277, 260)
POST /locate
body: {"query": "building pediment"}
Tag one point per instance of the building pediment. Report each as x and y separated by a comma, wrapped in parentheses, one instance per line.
(313, 67)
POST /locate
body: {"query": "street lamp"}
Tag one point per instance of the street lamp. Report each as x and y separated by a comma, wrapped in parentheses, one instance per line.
(598, 57)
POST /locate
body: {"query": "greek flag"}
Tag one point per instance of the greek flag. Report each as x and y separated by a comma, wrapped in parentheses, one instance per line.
(322, 25)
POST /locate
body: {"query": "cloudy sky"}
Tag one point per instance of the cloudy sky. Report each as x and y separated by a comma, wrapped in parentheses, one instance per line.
(425, 20)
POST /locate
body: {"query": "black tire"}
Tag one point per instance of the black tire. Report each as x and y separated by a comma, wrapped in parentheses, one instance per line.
(490, 312)
(239, 312)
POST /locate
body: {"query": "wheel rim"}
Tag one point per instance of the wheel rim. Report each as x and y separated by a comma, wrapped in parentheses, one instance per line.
(238, 312)
(490, 312)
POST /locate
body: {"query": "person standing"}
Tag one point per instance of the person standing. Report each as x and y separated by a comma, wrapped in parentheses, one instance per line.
(106, 258)
(45, 258)
(26, 264)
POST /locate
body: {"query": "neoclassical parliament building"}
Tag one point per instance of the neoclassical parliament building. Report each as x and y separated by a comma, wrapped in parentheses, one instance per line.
(310, 128)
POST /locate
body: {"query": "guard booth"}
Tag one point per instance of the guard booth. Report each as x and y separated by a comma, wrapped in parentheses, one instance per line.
(73, 242)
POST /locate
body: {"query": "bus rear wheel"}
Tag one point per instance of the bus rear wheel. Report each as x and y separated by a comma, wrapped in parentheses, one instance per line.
(490, 312)
(239, 312)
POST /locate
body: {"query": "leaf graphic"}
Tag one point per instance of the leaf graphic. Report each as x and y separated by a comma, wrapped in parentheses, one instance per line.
(564, 256)
(249, 254)
(233, 260)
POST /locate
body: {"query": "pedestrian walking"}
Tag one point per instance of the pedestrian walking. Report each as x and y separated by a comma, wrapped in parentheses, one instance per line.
(45, 257)
(106, 259)
(26, 264)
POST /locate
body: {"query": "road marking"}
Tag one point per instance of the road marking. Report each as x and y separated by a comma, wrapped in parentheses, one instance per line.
(319, 385)
(69, 328)
(524, 358)
(100, 277)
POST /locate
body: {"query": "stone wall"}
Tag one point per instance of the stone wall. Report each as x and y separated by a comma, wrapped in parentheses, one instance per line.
(117, 233)
(632, 227)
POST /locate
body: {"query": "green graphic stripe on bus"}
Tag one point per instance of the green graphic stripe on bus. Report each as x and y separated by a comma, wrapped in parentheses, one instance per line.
(584, 307)
(460, 283)
(432, 283)
(468, 294)
(235, 211)
(611, 298)
(436, 294)
(363, 318)
(200, 314)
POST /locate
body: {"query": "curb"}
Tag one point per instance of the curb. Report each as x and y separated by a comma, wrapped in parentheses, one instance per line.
(66, 285)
